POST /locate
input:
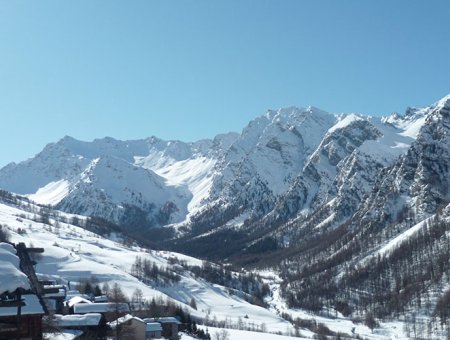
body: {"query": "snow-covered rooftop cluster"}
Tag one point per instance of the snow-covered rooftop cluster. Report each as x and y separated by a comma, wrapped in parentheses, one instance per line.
(11, 277)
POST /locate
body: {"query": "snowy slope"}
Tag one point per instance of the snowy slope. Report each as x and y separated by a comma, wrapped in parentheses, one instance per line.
(73, 254)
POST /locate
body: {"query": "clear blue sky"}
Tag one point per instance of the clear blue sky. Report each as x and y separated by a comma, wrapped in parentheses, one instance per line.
(191, 69)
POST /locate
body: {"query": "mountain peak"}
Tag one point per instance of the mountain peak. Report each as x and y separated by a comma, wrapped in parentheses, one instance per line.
(443, 102)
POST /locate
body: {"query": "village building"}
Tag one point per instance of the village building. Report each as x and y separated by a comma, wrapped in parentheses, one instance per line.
(27, 323)
(170, 326)
(153, 330)
(128, 327)
(74, 300)
(54, 297)
(92, 325)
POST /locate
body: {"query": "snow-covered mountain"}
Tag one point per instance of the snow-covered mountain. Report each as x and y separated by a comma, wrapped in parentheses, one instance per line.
(289, 164)
(298, 168)
(150, 182)
(349, 209)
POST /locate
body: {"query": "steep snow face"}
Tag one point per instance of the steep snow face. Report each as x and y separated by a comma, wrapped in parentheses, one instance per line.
(195, 174)
(52, 193)
(110, 187)
(344, 121)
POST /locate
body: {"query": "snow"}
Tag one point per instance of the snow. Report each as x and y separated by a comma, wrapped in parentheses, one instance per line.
(67, 334)
(325, 221)
(272, 148)
(334, 320)
(11, 277)
(192, 173)
(100, 307)
(190, 261)
(52, 193)
(124, 319)
(162, 320)
(396, 241)
(89, 319)
(344, 121)
(235, 334)
(412, 129)
(411, 123)
(115, 173)
(75, 300)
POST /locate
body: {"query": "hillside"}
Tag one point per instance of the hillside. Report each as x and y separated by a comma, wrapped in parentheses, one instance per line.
(74, 255)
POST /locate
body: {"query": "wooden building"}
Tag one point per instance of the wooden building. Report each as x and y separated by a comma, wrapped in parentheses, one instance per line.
(27, 324)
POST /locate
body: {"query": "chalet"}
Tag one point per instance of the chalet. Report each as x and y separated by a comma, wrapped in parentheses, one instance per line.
(128, 327)
(23, 320)
(69, 304)
(170, 326)
(93, 325)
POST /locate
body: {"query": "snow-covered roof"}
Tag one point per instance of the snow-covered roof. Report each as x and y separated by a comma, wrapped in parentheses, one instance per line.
(76, 300)
(166, 319)
(32, 306)
(89, 319)
(101, 298)
(11, 277)
(124, 319)
(72, 293)
(83, 308)
(153, 327)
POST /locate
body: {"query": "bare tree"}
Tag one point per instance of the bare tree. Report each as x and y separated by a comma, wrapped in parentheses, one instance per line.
(223, 334)
(137, 299)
